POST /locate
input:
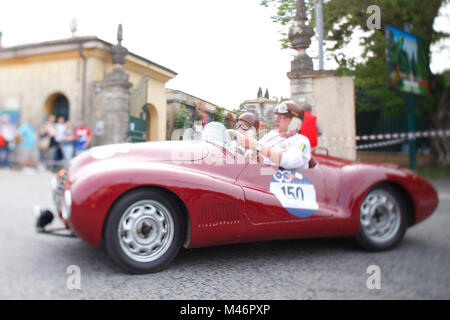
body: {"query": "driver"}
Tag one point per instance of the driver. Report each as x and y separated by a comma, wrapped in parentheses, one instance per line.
(247, 125)
(284, 146)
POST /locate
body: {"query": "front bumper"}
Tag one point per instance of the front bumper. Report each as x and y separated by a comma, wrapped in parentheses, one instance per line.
(62, 199)
(58, 184)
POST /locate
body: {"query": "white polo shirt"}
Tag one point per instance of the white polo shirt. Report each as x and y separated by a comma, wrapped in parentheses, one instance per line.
(295, 149)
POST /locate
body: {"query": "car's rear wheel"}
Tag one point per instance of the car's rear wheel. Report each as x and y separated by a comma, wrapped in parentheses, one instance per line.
(144, 231)
(383, 219)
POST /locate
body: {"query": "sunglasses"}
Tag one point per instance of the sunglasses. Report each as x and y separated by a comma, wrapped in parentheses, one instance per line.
(243, 126)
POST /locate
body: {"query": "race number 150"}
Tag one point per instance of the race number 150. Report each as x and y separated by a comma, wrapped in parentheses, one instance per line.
(293, 192)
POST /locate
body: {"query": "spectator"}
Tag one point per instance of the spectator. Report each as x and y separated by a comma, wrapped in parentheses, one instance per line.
(26, 146)
(67, 143)
(47, 141)
(60, 127)
(311, 126)
(82, 137)
(8, 132)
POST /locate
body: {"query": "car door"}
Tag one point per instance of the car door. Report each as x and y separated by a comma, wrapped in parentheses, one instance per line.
(273, 194)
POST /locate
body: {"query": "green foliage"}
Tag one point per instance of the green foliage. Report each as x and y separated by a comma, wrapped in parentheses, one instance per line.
(343, 17)
(285, 16)
(434, 172)
(259, 94)
(219, 116)
(181, 118)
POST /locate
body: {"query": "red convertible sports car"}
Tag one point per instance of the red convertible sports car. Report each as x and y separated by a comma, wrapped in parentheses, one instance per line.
(145, 201)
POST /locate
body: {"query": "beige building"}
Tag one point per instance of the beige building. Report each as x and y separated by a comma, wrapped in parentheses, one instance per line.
(62, 77)
(177, 98)
(263, 108)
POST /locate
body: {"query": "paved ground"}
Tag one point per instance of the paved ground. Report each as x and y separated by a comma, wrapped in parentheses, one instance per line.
(34, 266)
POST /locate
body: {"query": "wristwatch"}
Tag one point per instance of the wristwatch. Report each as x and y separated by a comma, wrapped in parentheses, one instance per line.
(258, 147)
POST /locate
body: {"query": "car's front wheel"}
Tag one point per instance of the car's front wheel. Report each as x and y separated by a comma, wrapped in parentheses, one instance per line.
(383, 219)
(144, 231)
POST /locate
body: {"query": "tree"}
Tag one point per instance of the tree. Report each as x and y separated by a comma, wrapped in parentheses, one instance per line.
(219, 115)
(344, 18)
(181, 118)
(285, 15)
(266, 94)
(260, 94)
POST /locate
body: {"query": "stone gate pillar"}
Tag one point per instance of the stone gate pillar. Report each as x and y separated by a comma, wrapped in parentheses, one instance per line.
(332, 98)
(113, 100)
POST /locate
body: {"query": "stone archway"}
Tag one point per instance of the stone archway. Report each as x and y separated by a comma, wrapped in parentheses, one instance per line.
(58, 105)
(152, 123)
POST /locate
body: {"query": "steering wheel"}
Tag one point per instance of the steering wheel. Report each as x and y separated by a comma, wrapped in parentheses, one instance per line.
(234, 134)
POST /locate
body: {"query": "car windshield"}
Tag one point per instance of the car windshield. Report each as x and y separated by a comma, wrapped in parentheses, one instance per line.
(215, 132)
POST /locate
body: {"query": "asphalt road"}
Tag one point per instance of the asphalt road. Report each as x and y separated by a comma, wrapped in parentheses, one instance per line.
(37, 266)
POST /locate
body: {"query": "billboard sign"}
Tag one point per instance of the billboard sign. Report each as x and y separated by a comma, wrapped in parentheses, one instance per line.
(407, 63)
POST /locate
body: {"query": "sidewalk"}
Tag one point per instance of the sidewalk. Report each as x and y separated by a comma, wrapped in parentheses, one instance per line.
(5, 173)
(442, 186)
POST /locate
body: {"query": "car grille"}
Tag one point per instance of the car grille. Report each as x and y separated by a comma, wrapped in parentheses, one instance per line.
(59, 190)
(219, 214)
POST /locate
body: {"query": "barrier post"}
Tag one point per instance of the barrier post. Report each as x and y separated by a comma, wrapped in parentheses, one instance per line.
(411, 103)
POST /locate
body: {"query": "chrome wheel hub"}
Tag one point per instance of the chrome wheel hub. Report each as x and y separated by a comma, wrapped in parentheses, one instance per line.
(145, 231)
(380, 216)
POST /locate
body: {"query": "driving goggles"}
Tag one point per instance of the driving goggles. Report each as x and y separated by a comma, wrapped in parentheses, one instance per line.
(243, 126)
(281, 108)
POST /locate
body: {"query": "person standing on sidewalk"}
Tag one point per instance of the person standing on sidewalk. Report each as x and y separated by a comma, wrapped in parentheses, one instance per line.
(67, 143)
(311, 126)
(46, 142)
(8, 132)
(82, 137)
(27, 146)
(60, 127)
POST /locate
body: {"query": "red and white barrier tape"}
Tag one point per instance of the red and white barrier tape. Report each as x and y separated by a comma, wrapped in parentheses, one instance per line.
(394, 138)
(403, 135)
(380, 144)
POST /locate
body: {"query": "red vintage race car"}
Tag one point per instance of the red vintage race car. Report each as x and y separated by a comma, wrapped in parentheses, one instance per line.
(147, 200)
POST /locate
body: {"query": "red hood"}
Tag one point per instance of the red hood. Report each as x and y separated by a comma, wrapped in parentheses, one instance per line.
(145, 151)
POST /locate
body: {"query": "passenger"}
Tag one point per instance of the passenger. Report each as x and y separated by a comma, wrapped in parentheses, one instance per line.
(247, 125)
(284, 146)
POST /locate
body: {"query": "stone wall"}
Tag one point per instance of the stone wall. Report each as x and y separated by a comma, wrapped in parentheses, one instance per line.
(332, 99)
(175, 99)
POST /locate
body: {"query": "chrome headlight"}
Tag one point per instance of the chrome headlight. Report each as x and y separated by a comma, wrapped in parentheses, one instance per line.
(66, 207)
(54, 183)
